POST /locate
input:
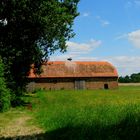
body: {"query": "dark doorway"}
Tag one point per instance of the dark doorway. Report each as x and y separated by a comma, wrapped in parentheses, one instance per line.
(106, 86)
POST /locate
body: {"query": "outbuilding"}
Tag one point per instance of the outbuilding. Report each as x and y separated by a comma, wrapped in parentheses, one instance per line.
(58, 75)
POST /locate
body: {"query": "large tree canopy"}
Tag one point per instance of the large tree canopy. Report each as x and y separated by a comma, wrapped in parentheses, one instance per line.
(31, 30)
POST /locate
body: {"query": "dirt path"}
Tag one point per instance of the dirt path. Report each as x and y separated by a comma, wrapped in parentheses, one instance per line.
(20, 126)
(129, 84)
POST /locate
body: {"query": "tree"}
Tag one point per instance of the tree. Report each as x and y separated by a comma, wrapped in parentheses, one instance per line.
(125, 79)
(133, 78)
(30, 31)
(4, 91)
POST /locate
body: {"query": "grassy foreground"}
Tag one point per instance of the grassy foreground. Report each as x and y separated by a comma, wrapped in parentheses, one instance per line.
(89, 115)
(77, 115)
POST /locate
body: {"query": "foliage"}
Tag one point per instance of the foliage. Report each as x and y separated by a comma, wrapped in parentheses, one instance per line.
(125, 79)
(30, 31)
(86, 115)
(4, 92)
(133, 78)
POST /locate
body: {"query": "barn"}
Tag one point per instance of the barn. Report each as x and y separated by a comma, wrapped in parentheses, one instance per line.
(58, 75)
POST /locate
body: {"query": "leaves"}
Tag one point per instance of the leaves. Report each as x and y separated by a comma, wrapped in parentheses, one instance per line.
(35, 29)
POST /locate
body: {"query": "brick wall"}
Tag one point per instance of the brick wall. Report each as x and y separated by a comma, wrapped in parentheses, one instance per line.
(69, 83)
(99, 83)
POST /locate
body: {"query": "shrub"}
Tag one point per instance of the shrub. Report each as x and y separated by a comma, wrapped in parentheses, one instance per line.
(4, 91)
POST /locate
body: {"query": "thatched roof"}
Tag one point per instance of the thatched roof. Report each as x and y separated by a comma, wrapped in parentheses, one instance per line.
(60, 69)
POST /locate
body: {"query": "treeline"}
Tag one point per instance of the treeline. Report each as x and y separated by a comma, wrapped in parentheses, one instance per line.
(133, 78)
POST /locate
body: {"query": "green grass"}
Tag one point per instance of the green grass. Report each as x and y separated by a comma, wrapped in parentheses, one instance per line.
(76, 115)
(89, 114)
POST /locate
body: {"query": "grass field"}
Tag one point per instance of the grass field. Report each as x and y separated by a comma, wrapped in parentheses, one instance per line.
(87, 114)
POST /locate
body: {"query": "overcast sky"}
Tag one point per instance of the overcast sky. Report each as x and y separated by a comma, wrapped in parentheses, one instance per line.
(107, 30)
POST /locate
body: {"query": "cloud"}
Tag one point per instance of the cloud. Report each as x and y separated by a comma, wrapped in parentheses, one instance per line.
(83, 47)
(86, 14)
(87, 58)
(123, 36)
(125, 61)
(76, 50)
(103, 22)
(62, 57)
(134, 38)
(126, 65)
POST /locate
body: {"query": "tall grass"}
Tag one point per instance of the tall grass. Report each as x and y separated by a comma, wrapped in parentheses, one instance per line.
(89, 114)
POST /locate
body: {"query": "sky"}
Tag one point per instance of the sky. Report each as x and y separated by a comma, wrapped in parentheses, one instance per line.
(106, 30)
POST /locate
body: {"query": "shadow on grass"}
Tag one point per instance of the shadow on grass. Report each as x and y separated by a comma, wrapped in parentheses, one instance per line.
(127, 129)
(23, 100)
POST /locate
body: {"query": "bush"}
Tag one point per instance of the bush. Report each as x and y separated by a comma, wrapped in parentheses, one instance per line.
(4, 91)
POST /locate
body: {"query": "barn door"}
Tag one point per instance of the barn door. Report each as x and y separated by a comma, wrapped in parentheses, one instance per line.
(80, 84)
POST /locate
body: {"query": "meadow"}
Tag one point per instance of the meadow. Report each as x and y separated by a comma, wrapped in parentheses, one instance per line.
(86, 114)
(89, 114)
